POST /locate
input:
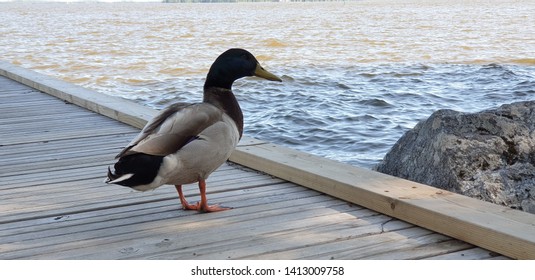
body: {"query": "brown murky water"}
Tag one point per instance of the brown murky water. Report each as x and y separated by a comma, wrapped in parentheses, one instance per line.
(356, 74)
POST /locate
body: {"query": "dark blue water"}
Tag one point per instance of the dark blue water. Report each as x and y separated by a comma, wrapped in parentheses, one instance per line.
(356, 114)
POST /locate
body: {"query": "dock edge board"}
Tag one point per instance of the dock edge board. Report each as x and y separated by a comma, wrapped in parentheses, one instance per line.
(493, 227)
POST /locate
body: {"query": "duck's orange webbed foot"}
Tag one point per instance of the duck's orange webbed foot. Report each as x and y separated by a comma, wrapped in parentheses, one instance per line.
(201, 206)
(184, 202)
(204, 207)
(213, 208)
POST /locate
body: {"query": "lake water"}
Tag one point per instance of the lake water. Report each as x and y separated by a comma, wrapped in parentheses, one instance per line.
(357, 75)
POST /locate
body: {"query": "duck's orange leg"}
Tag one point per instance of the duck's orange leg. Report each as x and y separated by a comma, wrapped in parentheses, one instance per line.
(185, 204)
(203, 204)
(204, 207)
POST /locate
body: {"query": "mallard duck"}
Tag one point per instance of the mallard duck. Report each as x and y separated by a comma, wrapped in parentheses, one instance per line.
(185, 142)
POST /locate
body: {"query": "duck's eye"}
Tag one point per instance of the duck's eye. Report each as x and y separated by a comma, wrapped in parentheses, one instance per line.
(248, 57)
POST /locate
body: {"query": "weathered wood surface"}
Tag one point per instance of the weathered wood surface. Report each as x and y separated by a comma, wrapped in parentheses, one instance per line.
(54, 204)
(487, 225)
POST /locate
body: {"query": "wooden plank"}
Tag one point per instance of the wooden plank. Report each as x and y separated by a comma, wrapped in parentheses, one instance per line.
(147, 212)
(47, 135)
(267, 238)
(283, 244)
(500, 229)
(22, 167)
(467, 254)
(29, 153)
(24, 119)
(116, 141)
(61, 123)
(189, 243)
(85, 191)
(256, 195)
(109, 106)
(441, 246)
(67, 173)
(120, 196)
(396, 240)
(354, 244)
(93, 240)
(49, 193)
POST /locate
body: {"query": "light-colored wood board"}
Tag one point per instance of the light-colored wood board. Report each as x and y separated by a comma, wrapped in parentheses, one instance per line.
(75, 204)
(8, 96)
(37, 177)
(422, 251)
(34, 193)
(21, 97)
(11, 208)
(142, 209)
(149, 212)
(127, 199)
(37, 105)
(33, 118)
(63, 119)
(61, 125)
(276, 244)
(466, 254)
(17, 175)
(114, 141)
(265, 238)
(145, 212)
(490, 226)
(14, 112)
(65, 174)
(79, 193)
(105, 105)
(80, 172)
(9, 85)
(218, 225)
(343, 248)
(44, 133)
(47, 135)
(398, 240)
(188, 236)
(55, 162)
(43, 107)
(16, 115)
(60, 154)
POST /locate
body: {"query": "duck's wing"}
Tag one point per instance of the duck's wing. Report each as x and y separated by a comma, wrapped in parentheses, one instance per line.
(173, 128)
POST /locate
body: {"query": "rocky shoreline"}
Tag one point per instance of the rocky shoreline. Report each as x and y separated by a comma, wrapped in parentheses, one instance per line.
(489, 155)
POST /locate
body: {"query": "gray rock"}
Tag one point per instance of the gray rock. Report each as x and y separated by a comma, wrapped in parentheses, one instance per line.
(488, 155)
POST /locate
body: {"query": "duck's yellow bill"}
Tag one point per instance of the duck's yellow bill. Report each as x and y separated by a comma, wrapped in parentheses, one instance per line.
(262, 73)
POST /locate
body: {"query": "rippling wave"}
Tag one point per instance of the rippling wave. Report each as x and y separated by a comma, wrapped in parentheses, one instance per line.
(357, 75)
(358, 123)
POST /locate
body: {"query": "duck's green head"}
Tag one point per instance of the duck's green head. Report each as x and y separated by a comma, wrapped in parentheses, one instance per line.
(235, 64)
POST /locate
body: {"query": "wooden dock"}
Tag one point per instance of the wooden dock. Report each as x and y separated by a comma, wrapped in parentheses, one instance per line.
(54, 203)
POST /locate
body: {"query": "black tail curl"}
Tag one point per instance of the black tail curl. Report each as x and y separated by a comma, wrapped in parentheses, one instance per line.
(143, 168)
